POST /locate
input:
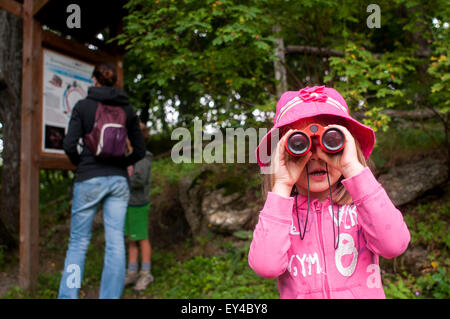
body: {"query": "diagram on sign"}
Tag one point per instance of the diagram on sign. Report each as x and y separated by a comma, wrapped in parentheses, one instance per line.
(66, 81)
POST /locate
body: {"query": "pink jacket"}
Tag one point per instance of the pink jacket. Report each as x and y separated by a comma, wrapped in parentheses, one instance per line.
(312, 268)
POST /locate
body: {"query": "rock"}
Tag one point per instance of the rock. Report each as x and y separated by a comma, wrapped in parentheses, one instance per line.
(209, 208)
(225, 214)
(415, 259)
(167, 220)
(190, 196)
(405, 183)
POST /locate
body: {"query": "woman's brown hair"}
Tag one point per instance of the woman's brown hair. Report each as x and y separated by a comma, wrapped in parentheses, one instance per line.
(105, 73)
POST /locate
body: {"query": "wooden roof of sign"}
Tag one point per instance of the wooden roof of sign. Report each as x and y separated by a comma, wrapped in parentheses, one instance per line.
(97, 16)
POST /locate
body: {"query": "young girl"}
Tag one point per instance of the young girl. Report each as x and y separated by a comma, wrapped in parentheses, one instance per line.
(326, 219)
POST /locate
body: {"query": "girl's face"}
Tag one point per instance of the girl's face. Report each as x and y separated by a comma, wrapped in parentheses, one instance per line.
(317, 169)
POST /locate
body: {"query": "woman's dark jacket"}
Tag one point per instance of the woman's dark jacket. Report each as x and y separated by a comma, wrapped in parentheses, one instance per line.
(82, 122)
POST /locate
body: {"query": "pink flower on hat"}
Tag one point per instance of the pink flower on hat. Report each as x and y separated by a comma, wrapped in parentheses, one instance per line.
(313, 94)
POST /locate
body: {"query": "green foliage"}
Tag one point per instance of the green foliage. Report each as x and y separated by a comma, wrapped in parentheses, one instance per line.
(437, 285)
(213, 60)
(192, 39)
(165, 168)
(371, 78)
(402, 140)
(166, 174)
(398, 289)
(434, 284)
(186, 50)
(55, 191)
(439, 68)
(226, 275)
(440, 71)
(47, 288)
(243, 234)
(429, 226)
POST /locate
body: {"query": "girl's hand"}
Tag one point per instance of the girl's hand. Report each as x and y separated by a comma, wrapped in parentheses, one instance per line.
(347, 162)
(286, 169)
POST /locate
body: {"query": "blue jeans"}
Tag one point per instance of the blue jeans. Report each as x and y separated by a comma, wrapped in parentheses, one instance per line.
(113, 192)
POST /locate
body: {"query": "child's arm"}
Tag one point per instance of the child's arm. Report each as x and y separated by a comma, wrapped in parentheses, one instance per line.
(386, 232)
(268, 250)
(271, 241)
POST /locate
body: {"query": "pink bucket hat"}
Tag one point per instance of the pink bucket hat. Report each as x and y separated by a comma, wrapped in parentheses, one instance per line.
(310, 102)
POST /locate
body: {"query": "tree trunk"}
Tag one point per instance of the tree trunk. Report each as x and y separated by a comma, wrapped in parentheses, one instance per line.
(280, 70)
(145, 111)
(10, 106)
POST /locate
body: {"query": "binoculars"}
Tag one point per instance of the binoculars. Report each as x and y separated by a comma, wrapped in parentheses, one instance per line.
(331, 140)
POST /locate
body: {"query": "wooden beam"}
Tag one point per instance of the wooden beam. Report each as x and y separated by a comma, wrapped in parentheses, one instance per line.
(29, 169)
(12, 6)
(55, 161)
(75, 49)
(38, 5)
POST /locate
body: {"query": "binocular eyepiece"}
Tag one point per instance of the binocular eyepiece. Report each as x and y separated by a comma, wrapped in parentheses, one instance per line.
(299, 143)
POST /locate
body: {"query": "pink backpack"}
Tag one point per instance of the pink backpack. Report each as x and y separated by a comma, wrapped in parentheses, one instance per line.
(108, 137)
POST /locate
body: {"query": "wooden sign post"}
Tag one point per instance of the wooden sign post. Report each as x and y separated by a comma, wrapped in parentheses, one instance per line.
(41, 138)
(29, 157)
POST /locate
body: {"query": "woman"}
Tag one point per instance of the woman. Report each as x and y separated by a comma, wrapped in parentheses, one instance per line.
(99, 180)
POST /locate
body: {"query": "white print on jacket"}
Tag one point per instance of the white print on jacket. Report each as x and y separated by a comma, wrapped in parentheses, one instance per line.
(345, 212)
(349, 217)
(346, 241)
(373, 280)
(311, 260)
(293, 229)
(345, 249)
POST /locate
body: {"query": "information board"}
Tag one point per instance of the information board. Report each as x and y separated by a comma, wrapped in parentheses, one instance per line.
(65, 81)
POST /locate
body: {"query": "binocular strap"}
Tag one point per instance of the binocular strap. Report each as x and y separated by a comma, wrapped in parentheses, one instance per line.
(332, 209)
(336, 245)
